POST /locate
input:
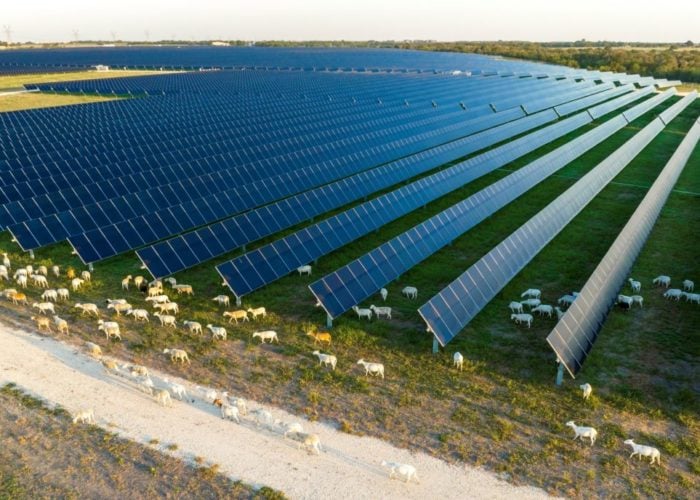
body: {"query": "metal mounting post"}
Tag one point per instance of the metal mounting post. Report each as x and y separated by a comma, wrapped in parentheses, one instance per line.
(238, 301)
(329, 321)
(31, 254)
(560, 373)
(90, 267)
(436, 346)
(243, 250)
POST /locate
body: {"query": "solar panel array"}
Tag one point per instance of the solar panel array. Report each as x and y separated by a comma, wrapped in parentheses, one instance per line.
(448, 312)
(574, 335)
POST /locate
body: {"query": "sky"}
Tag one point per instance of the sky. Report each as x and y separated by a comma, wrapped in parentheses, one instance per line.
(443, 20)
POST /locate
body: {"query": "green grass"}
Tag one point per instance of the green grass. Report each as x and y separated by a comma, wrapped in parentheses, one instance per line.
(503, 412)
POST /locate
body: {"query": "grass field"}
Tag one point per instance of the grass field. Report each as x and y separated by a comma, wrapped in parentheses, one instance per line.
(44, 455)
(503, 412)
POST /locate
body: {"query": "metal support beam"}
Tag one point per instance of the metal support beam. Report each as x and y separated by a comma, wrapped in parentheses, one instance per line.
(90, 267)
(31, 254)
(329, 321)
(560, 373)
(238, 301)
(436, 345)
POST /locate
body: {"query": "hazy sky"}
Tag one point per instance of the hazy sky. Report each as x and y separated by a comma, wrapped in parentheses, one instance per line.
(538, 20)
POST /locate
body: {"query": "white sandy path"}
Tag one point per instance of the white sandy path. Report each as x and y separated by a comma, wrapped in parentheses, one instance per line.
(348, 467)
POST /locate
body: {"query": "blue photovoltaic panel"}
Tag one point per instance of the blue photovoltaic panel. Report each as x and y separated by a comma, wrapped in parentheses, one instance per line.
(583, 103)
(605, 108)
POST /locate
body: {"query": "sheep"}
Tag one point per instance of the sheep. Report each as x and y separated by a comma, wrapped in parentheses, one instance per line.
(93, 349)
(532, 293)
(217, 332)
(186, 289)
(458, 360)
(178, 390)
(688, 285)
(20, 272)
(42, 322)
(637, 299)
(270, 335)
(234, 401)
(145, 384)
(583, 432)
(43, 307)
(61, 324)
(326, 359)
(84, 417)
(410, 292)
(63, 294)
(110, 366)
(320, 337)
(4, 273)
(119, 308)
(304, 270)
(56, 271)
(519, 318)
(384, 293)
(362, 313)
(22, 280)
(169, 307)
(692, 297)
(29, 268)
(18, 297)
(373, 368)
(42, 270)
(87, 309)
(177, 355)
(644, 451)
(158, 299)
(49, 295)
(193, 327)
(166, 319)
(70, 273)
(229, 411)
(674, 293)
(662, 280)
(138, 314)
(138, 281)
(85, 275)
(172, 281)
(587, 390)
(289, 428)
(6, 260)
(125, 282)
(263, 417)
(624, 301)
(515, 307)
(9, 292)
(381, 311)
(566, 300)
(111, 329)
(405, 470)
(636, 285)
(116, 301)
(76, 283)
(310, 442)
(543, 309)
(163, 397)
(153, 291)
(222, 300)
(236, 315)
(531, 302)
(258, 311)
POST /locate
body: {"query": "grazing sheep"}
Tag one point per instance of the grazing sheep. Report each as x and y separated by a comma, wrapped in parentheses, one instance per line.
(384, 293)
(636, 285)
(270, 335)
(178, 390)
(326, 359)
(186, 289)
(158, 299)
(138, 281)
(154, 290)
(61, 324)
(566, 300)
(320, 337)
(587, 390)
(63, 294)
(674, 293)
(9, 292)
(217, 332)
(70, 273)
(662, 280)
(169, 307)
(110, 366)
(637, 299)
(692, 297)
(6, 260)
(43, 307)
(18, 297)
(4, 273)
(222, 300)
(84, 417)
(688, 285)
(583, 432)
(177, 355)
(163, 397)
(381, 311)
(119, 308)
(86, 276)
(235, 401)
(515, 307)
(304, 270)
(42, 322)
(56, 271)
(520, 318)
(543, 309)
(263, 418)
(87, 309)
(362, 313)
(625, 301)
(310, 442)
(172, 281)
(229, 411)
(236, 315)
(289, 428)
(116, 301)
(145, 384)
(531, 302)
(405, 470)
(125, 282)
(40, 280)
(644, 451)
(49, 295)
(166, 319)
(42, 270)
(30, 269)
(373, 368)
(76, 283)
(532, 293)
(258, 311)
(93, 349)
(22, 280)
(138, 314)
(193, 327)
(137, 370)
(410, 291)
(111, 329)
(458, 360)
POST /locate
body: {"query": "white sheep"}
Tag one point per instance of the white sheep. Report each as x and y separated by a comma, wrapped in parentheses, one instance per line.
(85, 417)
(692, 297)
(587, 390)
(44, 307)
(158, 299)
(236, 401)
(76, 283)
(258, 311)
(384, 293)
(673, 293)
(644, 451)
(326, 359)
(531, 302)
(4, 273)
(125, 282)
(111, 329)
(532, 293)
(289, 428)
(178, 390)
(169, 307)
(61, 324)
(236, 315)
(56, 271)
(154, 290)
(263, 417)
(186, 289)
(172, 281)
(6, 260)
(93, 349)
(662, 280)
(270, 335)
(163, 397)
(381, 311)
(520, 318)
(209, 395)
(222, 300)
(583, 432)
(458, 360)
(137, 370)
(625, 301)
(42, 322)
(9, 292)
(40, 280)
(86, 276)
(636, 285)
(193, 327)
(410, 291)
(566, 300)
(515, 307)
(177, 355)
(63, 293)
(87, 309)
(362, 313)
(405, 470)
(543, 309)
(637, 299)
(119, 307)
(29, 268)
(217, 332)
(310, 442)
(42, 270)
(688, 285)
(145, 384)
(117, 301)
(49, 295)
(166, 319)
(138, 314)
(138, 281)
(229, 411)
(373, 368)
(22, 280)
(304, 270)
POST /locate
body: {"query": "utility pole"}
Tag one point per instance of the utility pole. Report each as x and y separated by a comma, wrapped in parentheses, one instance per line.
(7, 29)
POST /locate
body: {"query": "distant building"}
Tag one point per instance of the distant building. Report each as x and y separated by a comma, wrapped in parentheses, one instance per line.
(101, 67)
(220, 44)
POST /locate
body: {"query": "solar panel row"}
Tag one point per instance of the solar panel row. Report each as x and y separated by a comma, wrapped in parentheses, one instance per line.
(605, 108)
(579, 104)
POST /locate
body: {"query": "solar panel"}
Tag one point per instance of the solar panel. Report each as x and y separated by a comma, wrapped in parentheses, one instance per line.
(574, 335)
(473, 287)
(605, 108)
(585, 102)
